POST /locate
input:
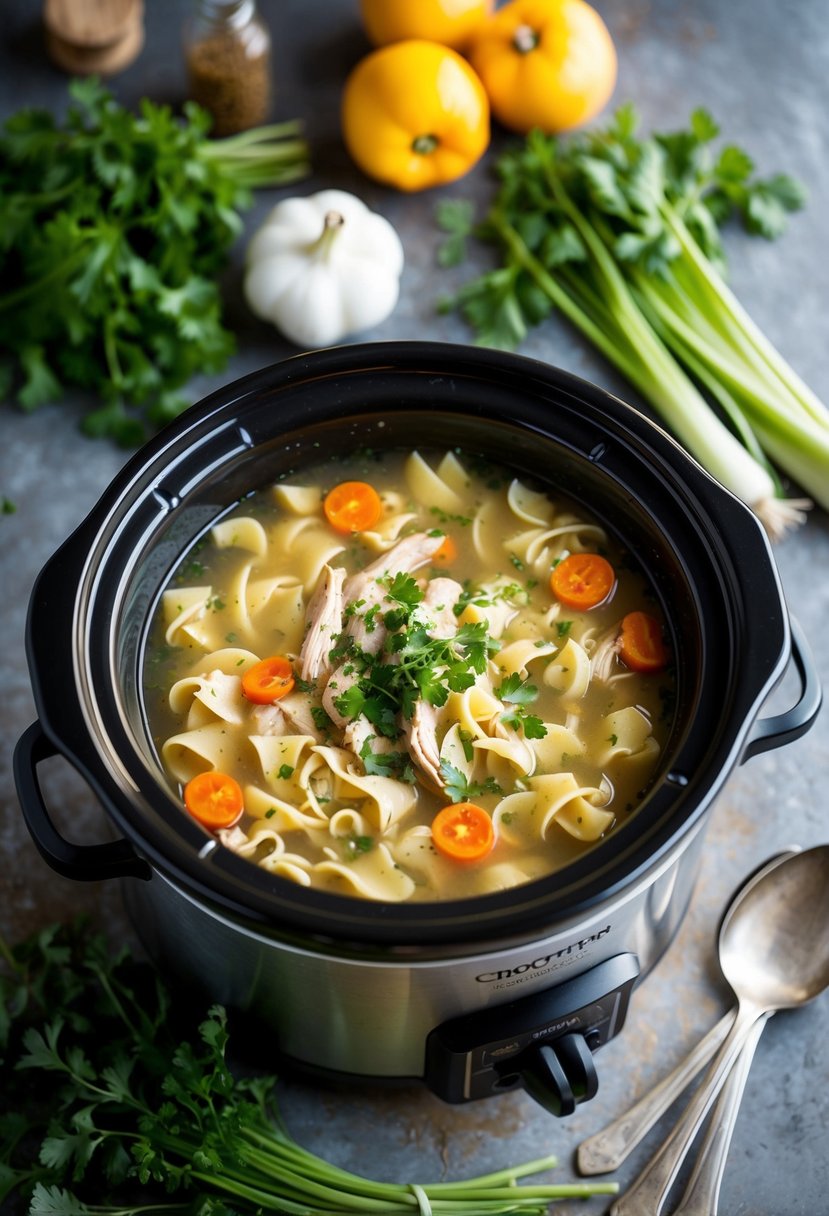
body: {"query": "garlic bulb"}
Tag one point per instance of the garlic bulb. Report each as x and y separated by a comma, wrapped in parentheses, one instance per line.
(322, 267)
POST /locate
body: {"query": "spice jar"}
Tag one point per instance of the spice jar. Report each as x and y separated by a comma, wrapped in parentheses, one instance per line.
(228, 51)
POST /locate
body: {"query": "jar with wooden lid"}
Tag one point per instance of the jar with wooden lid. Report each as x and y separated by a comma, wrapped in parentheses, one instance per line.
(227, 47)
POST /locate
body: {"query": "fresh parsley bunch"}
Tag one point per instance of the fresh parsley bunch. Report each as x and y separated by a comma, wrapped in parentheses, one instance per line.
(115, 1103)
(113, 229)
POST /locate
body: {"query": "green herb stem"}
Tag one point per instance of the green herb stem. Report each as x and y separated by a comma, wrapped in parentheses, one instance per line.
(728, 303)
(35, 287)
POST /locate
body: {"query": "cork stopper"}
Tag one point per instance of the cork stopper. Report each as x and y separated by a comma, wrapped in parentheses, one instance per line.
(93, 36)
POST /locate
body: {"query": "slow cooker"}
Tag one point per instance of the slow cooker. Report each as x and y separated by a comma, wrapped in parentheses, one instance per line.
(475, 996)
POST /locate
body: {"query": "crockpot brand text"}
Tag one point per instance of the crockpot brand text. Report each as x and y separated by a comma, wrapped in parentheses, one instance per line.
(543, 963)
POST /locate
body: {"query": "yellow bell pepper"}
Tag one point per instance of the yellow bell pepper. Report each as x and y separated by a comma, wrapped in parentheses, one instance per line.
(451, 22)
(414, 115)
(545, 63)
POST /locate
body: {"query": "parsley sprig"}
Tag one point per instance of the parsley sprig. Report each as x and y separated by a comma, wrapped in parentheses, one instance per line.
(458, 787)
(412, 664)
(114, 228)
(518, 694)
(118, 1102)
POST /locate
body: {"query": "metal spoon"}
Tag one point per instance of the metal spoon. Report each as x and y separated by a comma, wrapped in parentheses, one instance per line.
(608, 1148)
(774, 951)
(702, 1192)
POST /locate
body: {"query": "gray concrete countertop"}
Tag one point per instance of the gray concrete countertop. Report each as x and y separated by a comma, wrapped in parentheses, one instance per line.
(761, 67)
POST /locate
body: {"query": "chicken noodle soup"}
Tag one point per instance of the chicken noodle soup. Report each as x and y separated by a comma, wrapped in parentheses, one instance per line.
(351, 652)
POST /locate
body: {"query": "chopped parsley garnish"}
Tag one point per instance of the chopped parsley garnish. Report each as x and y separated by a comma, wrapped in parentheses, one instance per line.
(286, 771)
(459, 789)
(563, 628)
(466, 744)
(321, 718)
(518, 694)
(446, 518)
(387, 764)
(412, 664)
(508, 592)
(356, 846)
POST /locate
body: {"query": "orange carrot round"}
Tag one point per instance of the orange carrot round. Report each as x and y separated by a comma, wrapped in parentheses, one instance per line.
(268, 680)
(641, 647)
(446, 553)
(463, 832)
(352, 506)
(214, 799)
(582, 581)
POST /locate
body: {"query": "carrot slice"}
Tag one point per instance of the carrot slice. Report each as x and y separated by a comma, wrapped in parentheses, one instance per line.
(641, 647)
(582, 580)
(214, 799)
(463, 832)
(446, 554)
(352, 506)
(268, 680)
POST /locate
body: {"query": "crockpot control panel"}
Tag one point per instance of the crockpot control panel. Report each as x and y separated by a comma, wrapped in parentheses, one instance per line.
(543, 1042)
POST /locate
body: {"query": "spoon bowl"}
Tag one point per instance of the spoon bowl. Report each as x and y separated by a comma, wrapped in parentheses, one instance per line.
(774, 942)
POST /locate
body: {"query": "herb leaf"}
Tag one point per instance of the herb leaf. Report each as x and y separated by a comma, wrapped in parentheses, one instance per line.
(459, 789)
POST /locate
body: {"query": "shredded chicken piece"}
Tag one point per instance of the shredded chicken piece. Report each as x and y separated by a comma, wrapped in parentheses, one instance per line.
(602, 659)
(324, 622)
(232, 838)
(359, 730)
(289, 716)
(366, 588)
(420, 733)
(439, 599)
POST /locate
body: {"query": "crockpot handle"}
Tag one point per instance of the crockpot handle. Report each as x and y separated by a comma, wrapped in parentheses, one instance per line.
(767, 733)
(86, 863)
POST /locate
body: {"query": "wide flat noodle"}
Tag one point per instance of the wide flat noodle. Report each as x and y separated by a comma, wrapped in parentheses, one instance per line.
(383, 800)
(299, 500)
(184, 610)
(219, 694)
(373, 876)
(241, 532)
(428, 487)
(197, 751)
(569, 672)
(561, 800)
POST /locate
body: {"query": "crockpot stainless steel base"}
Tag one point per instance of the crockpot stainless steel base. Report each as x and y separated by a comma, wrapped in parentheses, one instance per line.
(371, 1015)
(474, 995)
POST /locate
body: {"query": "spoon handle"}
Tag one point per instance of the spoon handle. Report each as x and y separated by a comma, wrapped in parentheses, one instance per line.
(607, 1149)
(648, 1192)
(701, 1195)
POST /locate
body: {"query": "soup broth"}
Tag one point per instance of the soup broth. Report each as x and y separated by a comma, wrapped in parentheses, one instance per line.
(408, 676)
